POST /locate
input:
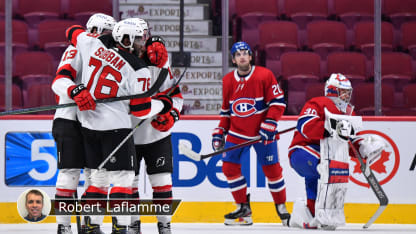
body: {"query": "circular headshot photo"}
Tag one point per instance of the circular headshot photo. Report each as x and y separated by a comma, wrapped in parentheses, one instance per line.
(34, 205)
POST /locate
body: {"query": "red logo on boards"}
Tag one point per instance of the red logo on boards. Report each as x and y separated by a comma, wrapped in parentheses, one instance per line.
(384, 168)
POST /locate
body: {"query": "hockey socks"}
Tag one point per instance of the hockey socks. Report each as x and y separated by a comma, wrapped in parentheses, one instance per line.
(64, 194)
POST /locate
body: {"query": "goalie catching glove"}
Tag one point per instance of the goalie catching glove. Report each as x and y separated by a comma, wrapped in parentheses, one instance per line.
(164, 122)
(82, 97)
(268, 131)
(371, 147)
(218, 139)
(156, 51)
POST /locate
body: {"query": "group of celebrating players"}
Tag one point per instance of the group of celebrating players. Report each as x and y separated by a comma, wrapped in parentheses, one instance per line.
(115, 59)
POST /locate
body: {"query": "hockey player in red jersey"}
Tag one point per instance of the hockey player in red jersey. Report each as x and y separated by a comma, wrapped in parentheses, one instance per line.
(252, 105)
(305, 153)
(153, 136)
(111, 68)
(66, 129)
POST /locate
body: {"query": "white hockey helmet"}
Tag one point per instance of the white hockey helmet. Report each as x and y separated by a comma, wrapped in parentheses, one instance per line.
(100, 21)
(338, 86)
(132, 28)
(145, 26)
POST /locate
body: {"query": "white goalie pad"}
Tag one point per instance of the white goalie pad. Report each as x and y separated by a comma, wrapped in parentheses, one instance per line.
(334, 172)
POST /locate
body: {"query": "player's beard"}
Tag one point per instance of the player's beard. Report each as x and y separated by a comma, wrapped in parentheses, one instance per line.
(244, 67)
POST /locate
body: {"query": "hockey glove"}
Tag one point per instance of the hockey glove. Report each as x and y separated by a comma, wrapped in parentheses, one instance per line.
(218, 139)
(371, 148)
(156, 51)
(344, 130)
(165, 122)
(167, 103)
(82, 97)
(268, 131)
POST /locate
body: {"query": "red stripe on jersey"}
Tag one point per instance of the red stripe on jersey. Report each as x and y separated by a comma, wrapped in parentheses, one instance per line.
(73, 32)
(126, 190)
(65, 71)
(140, 106)
(161, 189)
(93, 189)
(65, 192)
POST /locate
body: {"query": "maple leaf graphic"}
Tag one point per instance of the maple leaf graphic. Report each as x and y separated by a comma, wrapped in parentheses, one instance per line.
(378, 166)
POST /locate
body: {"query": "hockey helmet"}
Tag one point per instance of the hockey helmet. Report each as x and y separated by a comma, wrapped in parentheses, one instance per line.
(145, 27)
(132, 28)
(241, 45)
(100, 21)
(338, 86)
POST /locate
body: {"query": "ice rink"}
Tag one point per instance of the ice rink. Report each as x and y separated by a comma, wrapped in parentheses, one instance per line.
(205, 228)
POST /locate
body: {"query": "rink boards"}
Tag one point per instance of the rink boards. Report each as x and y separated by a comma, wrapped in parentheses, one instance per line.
(29, 161)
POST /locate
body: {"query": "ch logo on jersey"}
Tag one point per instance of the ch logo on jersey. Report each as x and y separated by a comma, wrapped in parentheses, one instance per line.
(160, 162)
(385, 168)
(244, 107)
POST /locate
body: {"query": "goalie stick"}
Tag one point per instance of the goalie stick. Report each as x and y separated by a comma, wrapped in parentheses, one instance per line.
(137, 126)
(160, 80)
(374, 184)
(197, 157)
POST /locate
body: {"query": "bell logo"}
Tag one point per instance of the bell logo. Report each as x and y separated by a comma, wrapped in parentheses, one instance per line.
(384, 169)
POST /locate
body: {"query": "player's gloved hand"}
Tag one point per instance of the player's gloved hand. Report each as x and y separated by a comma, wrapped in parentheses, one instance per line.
(371, 147)
(156, 51)
(82, 97)
(165, 122)
(268, 131)
(218, 139)
(167, 103)
(344, 129)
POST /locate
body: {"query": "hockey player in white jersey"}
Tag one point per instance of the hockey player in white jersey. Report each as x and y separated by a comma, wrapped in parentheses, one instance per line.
(153, 136)
(66, 129)
(111, 68)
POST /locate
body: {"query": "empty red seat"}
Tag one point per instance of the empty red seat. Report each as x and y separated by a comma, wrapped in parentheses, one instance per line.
(399, 11)
(350, 64)
(408, 37)
(409, 94)
(302, 12)
(352, 11)
(17, 100)
(81, 10)
(39, 95)
(315, 90)
(363, 98)
(51, 36)
(325, 37)
(34, 67)
(299, 70)
(276, 38)
(35, 11)
(396, 69)
(364, 37)
(19, 36)
(249, 16)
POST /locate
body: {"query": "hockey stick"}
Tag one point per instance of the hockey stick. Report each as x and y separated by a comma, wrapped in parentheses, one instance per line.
(374, 184)
(136, 127)
(160, 80)
(197, 157)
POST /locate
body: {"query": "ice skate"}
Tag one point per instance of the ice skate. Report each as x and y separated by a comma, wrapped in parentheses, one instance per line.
(301, 216)
(241, 216)
(90, 228)
(283, 214)
(118, 229)
(134, 228)
(164, 228)
(64, 229)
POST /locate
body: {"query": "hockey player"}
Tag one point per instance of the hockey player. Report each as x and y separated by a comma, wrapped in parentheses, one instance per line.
(156, 147)
(252, 105)
(65, 127)
(313, 142)
(110, 68)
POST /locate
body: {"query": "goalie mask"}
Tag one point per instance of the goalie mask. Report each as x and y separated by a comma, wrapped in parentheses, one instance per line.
(132, 29)
(338, 88)
(101, 22)
(238, 46)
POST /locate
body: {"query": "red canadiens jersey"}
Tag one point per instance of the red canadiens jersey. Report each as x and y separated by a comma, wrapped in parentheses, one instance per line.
(310, 124)
(66, 76)
(248, 101)
(109, 72)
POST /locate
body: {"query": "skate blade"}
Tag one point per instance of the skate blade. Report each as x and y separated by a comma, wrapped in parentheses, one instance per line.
(243, 221)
